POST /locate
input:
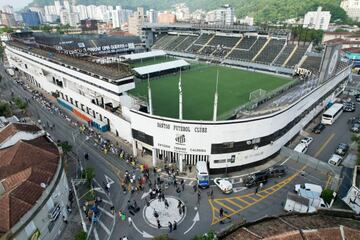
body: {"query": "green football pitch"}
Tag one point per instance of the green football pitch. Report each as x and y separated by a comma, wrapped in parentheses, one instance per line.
(198, 86)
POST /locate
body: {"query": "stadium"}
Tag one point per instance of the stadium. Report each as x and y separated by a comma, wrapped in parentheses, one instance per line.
(185, 93)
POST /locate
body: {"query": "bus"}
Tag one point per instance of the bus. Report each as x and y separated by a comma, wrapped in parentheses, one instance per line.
(202, 174)
(330, 115)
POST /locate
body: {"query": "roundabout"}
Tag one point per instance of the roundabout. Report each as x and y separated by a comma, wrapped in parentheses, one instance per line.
(162, 212)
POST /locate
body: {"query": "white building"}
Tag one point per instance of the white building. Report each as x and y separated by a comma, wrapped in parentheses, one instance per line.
(198, 15)
(58, 7)
(91, 11)
(67, 5)
(352, 8)
(152, 16)
(182, 12)
(8, 9)
(82, 10)
(223, 16)
(247, 21)
(317, 19)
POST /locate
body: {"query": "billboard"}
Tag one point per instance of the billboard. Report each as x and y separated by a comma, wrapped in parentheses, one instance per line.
(89, 25)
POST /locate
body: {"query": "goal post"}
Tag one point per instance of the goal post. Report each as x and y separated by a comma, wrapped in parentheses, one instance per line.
(257, 94)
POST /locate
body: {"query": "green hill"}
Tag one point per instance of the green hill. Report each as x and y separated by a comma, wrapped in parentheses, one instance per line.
(262, 10)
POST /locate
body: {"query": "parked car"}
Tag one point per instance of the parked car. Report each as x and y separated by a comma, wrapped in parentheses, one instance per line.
(335, 160)
(319, 128)
(349, 107)
(224, 184)
(276, 171)
(257, 178)
(301, 148)
(308, 187)
(342, 149)
(307, 140)
(357, 97)
(355, 128)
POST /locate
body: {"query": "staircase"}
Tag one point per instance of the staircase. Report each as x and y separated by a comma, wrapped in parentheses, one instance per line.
(206, 43)
(263, 47)
(237, 44)
(290, 56)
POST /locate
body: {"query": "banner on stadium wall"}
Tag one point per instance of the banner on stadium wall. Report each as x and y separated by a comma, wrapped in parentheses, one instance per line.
(98, 49)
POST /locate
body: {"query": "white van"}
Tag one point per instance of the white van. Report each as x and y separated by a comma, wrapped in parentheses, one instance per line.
(335, 160)
(301, 148)
(309, 187)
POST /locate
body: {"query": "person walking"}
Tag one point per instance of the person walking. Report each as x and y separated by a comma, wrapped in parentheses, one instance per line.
(256, 189)
(183, 209)
(221, 212)
(195, 187)
(174, 226)
(199, 197)
(158, 223)
(190, 167)
(170, 227)
(166, 204)
(211, 193)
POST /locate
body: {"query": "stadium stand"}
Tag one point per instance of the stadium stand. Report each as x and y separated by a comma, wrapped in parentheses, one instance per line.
(248, 55)
(203, 39)
(224, 41)
(312, 64)
(185, 44)
(260, 49)
(271, 50)
(175, 42)
(284, 54)
(247, 42)
(297, 55)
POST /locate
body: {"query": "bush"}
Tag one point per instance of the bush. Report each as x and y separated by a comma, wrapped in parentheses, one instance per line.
(5, 109)
(207, 236)
(327, 195)
(80, 235)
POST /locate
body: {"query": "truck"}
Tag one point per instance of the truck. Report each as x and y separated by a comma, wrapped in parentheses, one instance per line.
(296, 203)
(304, 201)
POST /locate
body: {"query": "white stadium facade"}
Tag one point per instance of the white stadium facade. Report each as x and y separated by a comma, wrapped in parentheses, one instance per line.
(102, 101)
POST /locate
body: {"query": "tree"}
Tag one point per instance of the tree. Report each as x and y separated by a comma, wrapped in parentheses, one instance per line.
(89, 174)
(81, 235)
(327, 195)
(5, 109)
(20, 103)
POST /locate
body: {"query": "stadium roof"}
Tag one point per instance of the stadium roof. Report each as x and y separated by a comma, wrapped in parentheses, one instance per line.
(161, 67)
(137, 56)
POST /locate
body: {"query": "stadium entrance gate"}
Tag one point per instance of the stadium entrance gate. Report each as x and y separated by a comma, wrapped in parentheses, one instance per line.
(173, 157)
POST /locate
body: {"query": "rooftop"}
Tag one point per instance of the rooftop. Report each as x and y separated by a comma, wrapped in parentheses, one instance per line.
(22, 178)
(84, 64)
(293, 227)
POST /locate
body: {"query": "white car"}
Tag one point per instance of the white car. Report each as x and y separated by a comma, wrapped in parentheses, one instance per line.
(307, 140)
(335, 160)
(224, 184)
(301, 148)
(308, 187)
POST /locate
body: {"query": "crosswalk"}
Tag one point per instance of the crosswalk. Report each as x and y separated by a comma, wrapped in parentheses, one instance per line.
(236, 204)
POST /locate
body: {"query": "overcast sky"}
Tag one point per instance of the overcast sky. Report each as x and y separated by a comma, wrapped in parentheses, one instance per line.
(17, 4)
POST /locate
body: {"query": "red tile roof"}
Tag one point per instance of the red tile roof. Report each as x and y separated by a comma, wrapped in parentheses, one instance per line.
(13, 128)
(23, 167)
